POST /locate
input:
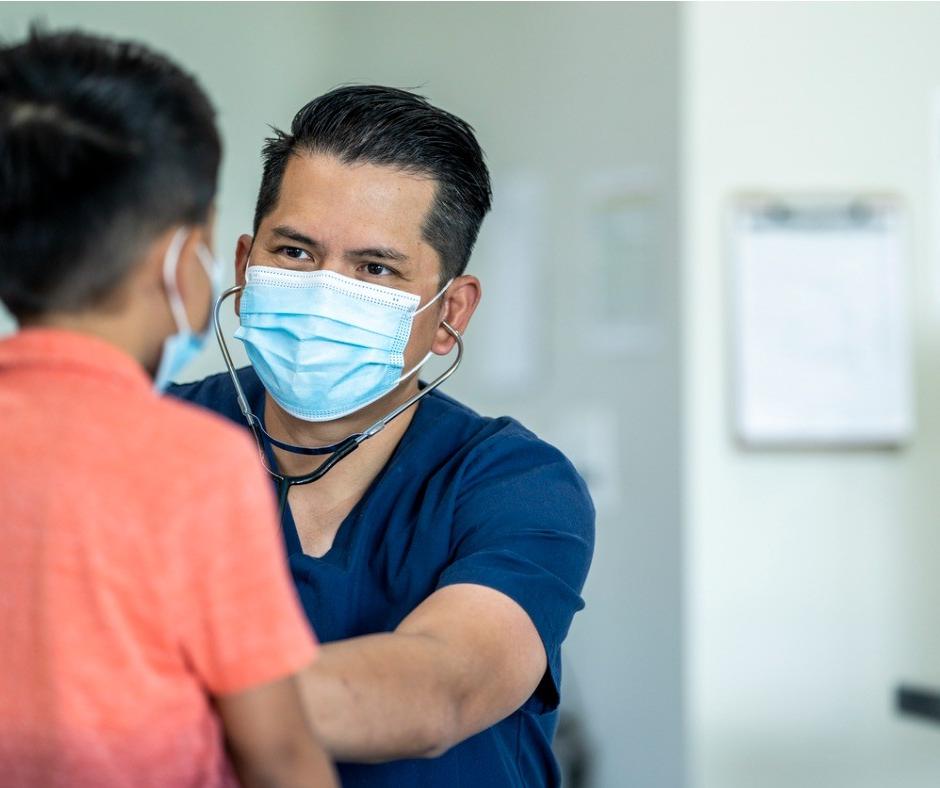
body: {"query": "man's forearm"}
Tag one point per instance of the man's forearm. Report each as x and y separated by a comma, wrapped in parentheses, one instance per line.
(382, 697)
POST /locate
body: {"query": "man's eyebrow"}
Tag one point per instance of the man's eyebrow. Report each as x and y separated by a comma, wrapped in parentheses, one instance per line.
(295, 235)
(379, 253)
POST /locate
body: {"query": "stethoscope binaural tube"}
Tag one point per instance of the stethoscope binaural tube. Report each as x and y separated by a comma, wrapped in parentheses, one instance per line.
(337, 451)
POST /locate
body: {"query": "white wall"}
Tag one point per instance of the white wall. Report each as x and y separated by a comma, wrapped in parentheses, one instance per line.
(813, 585)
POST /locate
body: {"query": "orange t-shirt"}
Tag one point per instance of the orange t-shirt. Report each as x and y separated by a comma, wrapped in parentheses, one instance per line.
(141, 572)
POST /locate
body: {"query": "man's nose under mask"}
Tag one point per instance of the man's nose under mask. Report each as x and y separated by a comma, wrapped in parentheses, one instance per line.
(325, 345)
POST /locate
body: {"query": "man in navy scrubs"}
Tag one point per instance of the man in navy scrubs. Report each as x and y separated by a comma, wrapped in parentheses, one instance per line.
(442, 562)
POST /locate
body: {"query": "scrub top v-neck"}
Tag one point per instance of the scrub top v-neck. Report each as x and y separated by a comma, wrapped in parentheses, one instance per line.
(463, 499)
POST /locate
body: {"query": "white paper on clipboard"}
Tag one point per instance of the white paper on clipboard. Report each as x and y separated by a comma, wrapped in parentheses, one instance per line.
(821, 333)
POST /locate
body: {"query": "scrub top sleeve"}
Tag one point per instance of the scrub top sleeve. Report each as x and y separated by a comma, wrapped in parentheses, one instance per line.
(242, 620)
(524, 526)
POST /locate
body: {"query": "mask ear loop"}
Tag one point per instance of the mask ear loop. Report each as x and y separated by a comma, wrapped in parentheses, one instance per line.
(213, 266)
(439, 294)
(171, 262)
(405, 375)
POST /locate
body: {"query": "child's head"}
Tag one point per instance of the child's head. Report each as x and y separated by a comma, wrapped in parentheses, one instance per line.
(106, 150)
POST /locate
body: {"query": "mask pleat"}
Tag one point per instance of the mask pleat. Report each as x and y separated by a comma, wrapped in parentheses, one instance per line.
(323, 346)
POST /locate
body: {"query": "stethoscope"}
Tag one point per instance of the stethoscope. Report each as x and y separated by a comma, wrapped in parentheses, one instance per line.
(337, 451)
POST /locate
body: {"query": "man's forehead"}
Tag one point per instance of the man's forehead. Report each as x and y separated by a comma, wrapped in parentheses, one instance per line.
(362, 185)
(359, 205)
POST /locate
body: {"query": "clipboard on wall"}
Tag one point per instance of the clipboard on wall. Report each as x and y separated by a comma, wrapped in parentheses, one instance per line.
(820, 326)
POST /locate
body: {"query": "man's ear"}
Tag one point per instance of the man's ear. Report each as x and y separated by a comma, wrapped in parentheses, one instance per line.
(459, 303)
(242, 252)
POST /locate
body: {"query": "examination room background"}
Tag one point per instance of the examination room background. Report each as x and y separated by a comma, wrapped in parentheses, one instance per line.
(748, 614)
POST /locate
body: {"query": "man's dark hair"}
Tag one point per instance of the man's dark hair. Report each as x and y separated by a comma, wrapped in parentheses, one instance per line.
(393, 128)
(103, 145)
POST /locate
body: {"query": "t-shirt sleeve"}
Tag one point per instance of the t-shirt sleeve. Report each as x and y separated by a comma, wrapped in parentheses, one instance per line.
(242, 625)
(524, 526)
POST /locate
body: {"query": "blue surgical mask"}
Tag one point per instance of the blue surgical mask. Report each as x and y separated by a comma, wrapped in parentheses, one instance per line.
(181, 348)
(325, 345)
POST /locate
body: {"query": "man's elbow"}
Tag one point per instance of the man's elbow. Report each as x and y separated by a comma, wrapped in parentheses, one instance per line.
(446, 727)
(440, 730)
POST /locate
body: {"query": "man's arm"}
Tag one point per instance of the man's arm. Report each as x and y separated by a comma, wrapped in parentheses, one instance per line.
(463, 660)
(269, 739)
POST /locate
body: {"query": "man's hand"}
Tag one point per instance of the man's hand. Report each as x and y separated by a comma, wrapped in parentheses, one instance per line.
(463, 660)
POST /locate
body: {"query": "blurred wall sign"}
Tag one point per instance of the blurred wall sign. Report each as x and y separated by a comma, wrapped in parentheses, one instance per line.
(821, 338)
(511, 265)
(624, 289)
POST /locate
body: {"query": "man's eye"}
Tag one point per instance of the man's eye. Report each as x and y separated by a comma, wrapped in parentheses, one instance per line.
(293, 252)
(377, 269)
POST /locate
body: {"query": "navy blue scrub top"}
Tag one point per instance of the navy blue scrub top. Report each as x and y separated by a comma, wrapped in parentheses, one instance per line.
(463, 499)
